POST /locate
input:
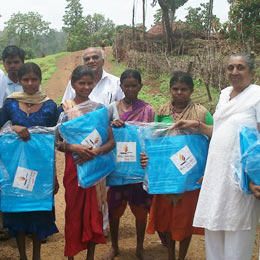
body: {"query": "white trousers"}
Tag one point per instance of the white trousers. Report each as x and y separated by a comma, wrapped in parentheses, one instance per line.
(227, 245)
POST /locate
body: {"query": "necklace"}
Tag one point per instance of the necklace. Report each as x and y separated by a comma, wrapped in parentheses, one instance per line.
(29, 105)
(124, 106)
(175, 112)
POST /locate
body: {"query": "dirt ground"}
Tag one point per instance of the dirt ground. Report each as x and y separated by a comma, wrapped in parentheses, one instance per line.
(54, 248)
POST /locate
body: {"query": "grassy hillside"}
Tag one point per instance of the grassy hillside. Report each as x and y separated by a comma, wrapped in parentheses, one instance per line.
(156, 90)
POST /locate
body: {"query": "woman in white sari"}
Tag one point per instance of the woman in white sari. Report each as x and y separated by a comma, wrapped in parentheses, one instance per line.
(228, 215)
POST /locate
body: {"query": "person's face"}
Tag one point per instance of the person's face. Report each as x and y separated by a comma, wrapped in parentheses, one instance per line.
(180, 93)
(30, 83)
(92, 58)
(239, 73)
(83, 86)
(12, 66)
(131, 88)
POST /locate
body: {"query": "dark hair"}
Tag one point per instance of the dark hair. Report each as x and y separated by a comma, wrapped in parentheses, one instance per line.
(250, 60)
(81, 71)
(29, 67)
(130, 74)
(12, 51)
(182, 77)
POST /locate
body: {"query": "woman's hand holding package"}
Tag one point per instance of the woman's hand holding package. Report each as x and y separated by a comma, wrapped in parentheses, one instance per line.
(144, 160)
(186, 124)
(255, 189)
(22, 131)
(83, 153)
(200, 180)
(118, 123)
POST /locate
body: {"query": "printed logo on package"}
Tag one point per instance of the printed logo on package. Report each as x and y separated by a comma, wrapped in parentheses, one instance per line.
(126, 151)
(93, 139)
(24, 179)
(184, 160)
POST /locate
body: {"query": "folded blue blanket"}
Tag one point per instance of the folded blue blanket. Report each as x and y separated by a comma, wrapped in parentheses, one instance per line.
(28, 173)
(250, 152)
(175, 163)
(90, 129)
(128, 168)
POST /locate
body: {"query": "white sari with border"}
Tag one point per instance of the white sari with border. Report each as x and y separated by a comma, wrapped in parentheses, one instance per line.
(222, 205)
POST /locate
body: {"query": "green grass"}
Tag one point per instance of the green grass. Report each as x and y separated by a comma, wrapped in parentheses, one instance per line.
(160, 95)
(47, 65)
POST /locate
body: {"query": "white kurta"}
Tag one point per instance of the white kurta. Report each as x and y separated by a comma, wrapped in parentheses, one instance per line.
(222, 205)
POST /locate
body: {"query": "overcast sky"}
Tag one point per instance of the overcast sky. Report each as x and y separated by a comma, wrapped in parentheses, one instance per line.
(120, 11)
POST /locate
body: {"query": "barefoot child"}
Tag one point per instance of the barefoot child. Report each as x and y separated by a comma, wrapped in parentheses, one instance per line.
(83, 215)
(129, 109)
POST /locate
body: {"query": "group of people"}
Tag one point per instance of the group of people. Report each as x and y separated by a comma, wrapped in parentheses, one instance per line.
(226, 215)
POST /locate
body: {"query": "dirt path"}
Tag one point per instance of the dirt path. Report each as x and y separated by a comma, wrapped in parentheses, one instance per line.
(54, 248)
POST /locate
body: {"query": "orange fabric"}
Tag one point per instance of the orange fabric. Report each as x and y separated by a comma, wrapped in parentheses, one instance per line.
(178, 219)
(139, 212)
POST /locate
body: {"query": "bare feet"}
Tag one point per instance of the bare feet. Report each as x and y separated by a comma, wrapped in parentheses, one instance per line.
(142, 256)
(113, 252)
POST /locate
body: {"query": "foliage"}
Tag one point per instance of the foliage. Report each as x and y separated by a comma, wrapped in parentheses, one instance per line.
(244, 25)
(85, 31)
(26, 31)
(73, 15)
(121, 28)
(169, 8)
(157, 18)
(54, 42)
(198, 19)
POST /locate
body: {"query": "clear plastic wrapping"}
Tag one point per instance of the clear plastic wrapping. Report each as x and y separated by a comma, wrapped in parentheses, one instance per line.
(27, 170)
(177, 158)
(128, 168)
(248, 163)
(88, 125)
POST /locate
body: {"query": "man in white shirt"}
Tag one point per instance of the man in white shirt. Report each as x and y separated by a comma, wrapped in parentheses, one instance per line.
(13, 59)
(107, 87)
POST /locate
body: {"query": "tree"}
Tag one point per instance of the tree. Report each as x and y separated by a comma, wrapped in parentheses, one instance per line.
(25, 31)
(73, 14)
(244, 23)
(169, 8)
(85, 31)
(200, 19)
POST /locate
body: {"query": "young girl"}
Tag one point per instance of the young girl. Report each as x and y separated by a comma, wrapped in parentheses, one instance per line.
(82, 229)
(174, 220)
(129, 109)
(27, 109)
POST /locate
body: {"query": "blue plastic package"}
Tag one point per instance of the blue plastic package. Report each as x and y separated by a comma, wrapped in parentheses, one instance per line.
(176, 160)
(27, 169)
(90, 129)
(250, 152)
(128, 168)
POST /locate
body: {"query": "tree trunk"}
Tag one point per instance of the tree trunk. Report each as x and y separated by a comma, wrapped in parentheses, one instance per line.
(167, 25)
(144, 18)
(210, 17)
(133, 22)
